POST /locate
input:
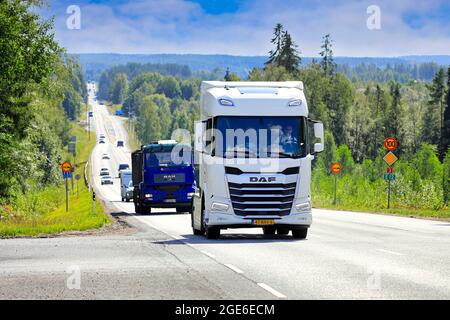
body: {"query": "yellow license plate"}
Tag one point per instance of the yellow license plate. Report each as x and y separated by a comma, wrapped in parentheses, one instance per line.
(263, 222)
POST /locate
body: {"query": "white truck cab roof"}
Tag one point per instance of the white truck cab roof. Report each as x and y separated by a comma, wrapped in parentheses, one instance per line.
(241, 98)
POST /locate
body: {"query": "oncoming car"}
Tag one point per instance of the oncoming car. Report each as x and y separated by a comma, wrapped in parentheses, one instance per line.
(104, 172)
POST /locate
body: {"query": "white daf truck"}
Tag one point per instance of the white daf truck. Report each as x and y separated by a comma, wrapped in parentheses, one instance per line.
(254, 145)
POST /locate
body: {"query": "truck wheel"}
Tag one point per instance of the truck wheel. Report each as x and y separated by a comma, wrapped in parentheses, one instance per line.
(299, 233)
(269, 231)
(282, 231)
(122, 199)
(212, 232)
(196, 231)
(146, 210)
(137, 208)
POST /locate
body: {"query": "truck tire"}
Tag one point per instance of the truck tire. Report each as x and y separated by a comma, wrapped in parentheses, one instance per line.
(212, 232)
(181, 210)
(137, 208)
(196, 232)
(300, 233)
(269, 231)
(282, 231)
(146, 210)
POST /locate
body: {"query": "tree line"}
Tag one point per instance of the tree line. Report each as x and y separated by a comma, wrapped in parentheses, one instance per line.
(358, 115)
(41, 88)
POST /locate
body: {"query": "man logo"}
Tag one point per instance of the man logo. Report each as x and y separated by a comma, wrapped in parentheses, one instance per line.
(262, 179)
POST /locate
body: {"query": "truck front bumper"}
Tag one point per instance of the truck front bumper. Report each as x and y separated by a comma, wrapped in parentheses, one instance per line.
(226, 220)
(167, 204)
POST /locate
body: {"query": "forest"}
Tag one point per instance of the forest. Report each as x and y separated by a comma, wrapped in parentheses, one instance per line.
(358, 115)
(42, 94)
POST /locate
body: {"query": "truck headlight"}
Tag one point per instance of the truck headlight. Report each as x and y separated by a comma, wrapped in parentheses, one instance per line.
(190, 194)
(148, 196)
(304, 206)
(219, 206)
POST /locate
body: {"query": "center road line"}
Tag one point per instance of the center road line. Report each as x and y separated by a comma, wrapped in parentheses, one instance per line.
(208, 254)
(271, 290)
(390, 252)
(235, 269)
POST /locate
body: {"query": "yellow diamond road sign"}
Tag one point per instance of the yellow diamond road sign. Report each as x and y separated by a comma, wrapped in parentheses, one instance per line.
(390, 158)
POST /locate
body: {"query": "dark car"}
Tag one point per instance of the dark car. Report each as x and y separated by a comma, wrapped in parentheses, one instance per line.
(119, 143)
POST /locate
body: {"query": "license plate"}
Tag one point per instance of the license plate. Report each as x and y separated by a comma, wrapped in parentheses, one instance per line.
(170, 200)
(263, 222)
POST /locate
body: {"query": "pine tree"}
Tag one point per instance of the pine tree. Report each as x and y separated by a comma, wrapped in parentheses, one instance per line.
(289, 55)
(446, 125)
(285, 53)
(327, 63)
(395, 112)
(434, 125)
(274, 55)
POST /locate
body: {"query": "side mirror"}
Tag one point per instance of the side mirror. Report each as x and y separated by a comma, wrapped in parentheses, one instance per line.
(198, 143)
(318, 133)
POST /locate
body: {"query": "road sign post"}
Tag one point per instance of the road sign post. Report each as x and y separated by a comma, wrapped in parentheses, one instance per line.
(336, 167)
(66, 168)
(390, 158)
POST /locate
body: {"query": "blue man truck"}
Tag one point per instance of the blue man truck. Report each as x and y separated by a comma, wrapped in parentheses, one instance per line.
(163, 177)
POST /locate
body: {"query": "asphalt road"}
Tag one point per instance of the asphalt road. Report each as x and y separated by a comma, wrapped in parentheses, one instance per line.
(347, 255)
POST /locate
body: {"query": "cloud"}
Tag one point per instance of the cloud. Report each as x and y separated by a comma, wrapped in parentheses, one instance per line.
(182, 26)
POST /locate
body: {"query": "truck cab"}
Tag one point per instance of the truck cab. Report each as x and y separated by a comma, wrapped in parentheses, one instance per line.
(163, 176)
(254, 145)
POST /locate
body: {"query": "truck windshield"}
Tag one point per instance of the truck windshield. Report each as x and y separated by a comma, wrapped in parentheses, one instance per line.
(167, 159)
(259, 137)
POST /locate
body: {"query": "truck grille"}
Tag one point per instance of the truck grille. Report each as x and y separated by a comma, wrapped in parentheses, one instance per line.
(253, 199)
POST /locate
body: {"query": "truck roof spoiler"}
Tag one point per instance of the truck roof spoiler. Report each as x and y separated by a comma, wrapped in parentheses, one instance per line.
(261, 84)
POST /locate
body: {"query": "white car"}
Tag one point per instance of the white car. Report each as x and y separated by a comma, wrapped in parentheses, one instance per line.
(104, 172)
(107, 180)
(105, 156)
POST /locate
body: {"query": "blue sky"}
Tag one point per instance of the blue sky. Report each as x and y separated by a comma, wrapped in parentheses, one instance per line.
(244, 27)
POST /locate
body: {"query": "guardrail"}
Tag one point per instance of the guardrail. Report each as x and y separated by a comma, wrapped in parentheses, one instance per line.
(86, 182)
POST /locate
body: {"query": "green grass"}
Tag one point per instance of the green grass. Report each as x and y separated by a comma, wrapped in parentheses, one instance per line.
(357, 194)
(44, 212)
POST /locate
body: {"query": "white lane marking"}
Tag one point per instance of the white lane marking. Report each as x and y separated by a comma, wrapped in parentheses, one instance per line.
(188, 244)
(390, 252)
(208, 254)
(271, 290)
(235, 269)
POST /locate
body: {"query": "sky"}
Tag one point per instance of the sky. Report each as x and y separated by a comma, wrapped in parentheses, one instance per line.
(375, 28)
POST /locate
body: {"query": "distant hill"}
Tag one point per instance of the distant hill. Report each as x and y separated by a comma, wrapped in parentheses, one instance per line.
(94, 64)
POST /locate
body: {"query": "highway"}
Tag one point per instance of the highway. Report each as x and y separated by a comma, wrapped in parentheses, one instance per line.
(347, 255)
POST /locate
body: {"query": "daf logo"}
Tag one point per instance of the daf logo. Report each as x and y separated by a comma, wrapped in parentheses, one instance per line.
(262, 179)
(169, 177)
